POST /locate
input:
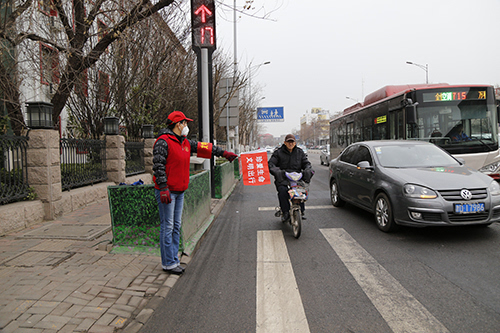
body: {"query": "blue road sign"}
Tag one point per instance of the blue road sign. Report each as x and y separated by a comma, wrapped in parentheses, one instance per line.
(272, 114)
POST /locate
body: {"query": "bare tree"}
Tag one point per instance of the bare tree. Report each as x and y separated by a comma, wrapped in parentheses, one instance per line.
(151, 74)
(9, 83)
(76, 43)
(223, 68)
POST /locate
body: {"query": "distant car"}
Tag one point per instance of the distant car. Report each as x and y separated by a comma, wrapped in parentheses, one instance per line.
(304, 148)
(269, 149)
(414, 184)
(324, 157)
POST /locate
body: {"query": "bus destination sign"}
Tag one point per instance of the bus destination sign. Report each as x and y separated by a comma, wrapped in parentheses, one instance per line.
(450, 96)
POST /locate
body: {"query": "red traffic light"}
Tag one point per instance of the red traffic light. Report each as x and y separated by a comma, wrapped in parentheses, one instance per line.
(203, 23)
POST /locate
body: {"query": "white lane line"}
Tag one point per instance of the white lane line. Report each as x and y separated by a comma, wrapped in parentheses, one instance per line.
(307, 207)
(279, 306)
(401, 311)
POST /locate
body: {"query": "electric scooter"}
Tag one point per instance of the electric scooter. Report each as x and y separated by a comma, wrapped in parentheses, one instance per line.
(298, 193)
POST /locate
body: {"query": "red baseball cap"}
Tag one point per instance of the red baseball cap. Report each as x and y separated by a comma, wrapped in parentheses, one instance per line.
(177, 116)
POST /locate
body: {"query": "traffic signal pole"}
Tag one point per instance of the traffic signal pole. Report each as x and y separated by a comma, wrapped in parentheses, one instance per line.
(203, 43)
(205, 102)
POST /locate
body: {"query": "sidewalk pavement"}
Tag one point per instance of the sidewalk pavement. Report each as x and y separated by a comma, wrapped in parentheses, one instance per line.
(60, 277)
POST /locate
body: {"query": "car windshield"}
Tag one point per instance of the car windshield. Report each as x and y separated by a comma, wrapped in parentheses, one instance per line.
(413, 156)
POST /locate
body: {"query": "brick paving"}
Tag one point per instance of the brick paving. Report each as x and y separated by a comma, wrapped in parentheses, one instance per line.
(61, 285)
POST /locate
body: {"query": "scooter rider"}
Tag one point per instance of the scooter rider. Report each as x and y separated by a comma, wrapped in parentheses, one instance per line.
(288, 158)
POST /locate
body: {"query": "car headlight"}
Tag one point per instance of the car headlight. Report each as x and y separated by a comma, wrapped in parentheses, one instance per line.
(416, 191)
(494, 188)
(491, 168)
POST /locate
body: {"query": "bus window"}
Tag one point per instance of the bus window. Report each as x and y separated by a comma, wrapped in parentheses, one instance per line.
(380, 132)
(350, 130)
(357, 131)
(393, 126)
(480, 129)
(367, 129)
(397, 125)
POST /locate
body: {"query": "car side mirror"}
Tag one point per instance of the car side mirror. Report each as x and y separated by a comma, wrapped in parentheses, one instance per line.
(364, 165)
(460, 160)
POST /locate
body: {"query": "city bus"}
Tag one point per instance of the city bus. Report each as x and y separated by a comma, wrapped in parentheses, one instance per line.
(428, 112)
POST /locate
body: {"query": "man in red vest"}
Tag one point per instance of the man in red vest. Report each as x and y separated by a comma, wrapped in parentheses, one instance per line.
(171, 158)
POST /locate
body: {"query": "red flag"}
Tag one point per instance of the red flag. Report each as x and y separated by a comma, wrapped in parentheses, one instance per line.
(254, 168)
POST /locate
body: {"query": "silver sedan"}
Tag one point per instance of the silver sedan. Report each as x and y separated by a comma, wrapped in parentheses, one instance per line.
(412, 183)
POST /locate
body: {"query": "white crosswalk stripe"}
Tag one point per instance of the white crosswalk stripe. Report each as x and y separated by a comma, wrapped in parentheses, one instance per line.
(279, 305)
(401, 311)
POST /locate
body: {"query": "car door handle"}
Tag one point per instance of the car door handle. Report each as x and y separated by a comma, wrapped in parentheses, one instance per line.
(351, 173)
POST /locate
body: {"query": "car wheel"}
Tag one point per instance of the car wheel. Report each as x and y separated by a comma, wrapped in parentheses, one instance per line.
(320, 161)
(335, 194)
(383, 213)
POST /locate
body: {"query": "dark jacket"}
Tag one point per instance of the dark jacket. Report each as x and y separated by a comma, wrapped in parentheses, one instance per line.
(295, 161)
(161, 158)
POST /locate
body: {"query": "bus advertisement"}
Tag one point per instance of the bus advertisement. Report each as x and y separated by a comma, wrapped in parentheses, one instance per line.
(462, 119)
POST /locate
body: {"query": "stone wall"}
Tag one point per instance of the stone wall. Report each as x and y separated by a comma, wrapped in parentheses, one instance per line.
(44, 175)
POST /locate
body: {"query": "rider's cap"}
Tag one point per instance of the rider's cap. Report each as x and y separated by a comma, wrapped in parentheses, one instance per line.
(290, 137)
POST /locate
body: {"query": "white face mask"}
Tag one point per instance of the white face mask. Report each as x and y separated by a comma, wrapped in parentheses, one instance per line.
(185, 131)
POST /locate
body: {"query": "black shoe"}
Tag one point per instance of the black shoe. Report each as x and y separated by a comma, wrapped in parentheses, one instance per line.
(176, 270)
(304, 216)
(285, 217)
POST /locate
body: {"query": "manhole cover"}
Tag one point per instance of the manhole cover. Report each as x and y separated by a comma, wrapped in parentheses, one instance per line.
(38, 258)
(69, 231)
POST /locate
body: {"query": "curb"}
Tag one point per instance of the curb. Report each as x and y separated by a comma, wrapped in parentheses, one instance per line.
(144, 313)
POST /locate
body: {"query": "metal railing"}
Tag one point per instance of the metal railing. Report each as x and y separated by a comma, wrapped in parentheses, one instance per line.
(83, 162)
(13, 168)
(134, 158)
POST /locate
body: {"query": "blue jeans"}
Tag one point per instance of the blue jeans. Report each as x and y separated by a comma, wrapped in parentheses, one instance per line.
(170, 229)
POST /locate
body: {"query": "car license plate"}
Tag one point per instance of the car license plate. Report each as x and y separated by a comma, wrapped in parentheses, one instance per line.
(469, 208)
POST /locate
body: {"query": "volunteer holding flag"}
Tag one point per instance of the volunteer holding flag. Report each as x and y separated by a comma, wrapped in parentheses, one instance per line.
(172, 151)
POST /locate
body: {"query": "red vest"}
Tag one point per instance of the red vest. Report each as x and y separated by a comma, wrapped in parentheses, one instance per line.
(177, 165)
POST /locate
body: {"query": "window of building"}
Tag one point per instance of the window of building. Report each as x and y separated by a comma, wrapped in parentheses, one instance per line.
(49, 65)
(103, 85)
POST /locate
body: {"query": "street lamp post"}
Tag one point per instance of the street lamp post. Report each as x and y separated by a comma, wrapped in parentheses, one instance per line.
(250, 76)
(250, 81)
(425, 68)
(352, 99)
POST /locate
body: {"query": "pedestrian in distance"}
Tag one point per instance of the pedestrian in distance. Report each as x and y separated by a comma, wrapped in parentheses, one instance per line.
(289, 158)
(171, 157)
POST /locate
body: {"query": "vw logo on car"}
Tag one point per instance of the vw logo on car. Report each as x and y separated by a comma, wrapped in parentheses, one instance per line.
(466, 194)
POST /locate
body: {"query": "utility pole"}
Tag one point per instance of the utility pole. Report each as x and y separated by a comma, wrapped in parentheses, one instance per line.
(203, 43)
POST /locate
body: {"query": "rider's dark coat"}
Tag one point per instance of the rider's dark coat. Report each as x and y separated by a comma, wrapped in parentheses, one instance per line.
(295, 161)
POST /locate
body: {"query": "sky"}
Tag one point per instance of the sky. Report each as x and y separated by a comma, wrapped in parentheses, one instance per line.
(323, 51)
